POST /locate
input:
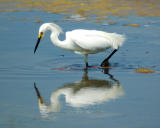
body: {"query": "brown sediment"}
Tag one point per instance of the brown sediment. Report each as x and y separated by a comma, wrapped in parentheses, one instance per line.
(101, 18)
(112, 22)
(132, 25)
(144, 70)
(39, 21)
(85, 8)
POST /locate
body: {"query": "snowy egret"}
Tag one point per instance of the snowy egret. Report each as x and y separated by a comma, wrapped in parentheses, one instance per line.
(82, 41)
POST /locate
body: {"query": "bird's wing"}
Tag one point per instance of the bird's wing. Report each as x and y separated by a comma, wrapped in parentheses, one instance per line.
(92, 40)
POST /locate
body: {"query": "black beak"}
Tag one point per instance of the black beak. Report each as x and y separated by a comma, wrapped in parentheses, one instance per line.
(38, 41)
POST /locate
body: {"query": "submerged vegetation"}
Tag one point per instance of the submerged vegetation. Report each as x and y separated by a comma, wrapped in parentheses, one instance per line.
(144, 70)
(86, 7)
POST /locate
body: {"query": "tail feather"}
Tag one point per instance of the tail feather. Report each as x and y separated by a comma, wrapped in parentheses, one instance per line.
(118, 40)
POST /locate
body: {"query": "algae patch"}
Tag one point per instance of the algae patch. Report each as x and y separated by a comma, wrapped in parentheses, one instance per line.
(132, 25)
(144, 70)
(87, 8)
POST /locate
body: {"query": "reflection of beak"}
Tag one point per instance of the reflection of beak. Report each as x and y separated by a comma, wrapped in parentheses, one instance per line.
(41, 101)
(38, 41)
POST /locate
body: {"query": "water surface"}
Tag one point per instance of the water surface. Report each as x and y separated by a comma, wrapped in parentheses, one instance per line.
(119, 97)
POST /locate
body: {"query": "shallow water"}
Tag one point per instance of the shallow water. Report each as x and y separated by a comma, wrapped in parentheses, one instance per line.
(95, 98)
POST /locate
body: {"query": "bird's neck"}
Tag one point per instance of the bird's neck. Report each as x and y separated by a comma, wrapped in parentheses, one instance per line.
(54, 38)
(61, 44)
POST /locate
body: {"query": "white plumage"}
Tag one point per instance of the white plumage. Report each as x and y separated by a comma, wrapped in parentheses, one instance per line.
(83, 41)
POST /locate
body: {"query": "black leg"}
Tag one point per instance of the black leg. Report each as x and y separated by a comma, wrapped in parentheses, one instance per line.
(105, 61)
(87, 65)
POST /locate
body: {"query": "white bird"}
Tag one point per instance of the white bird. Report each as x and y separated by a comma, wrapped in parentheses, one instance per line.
(82, 41)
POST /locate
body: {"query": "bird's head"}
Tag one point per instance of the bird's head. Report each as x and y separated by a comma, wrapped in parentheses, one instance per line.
(47, 27)
(42, 30)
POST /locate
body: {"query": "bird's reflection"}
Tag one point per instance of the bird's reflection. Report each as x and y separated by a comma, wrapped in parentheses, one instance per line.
(88, 91)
